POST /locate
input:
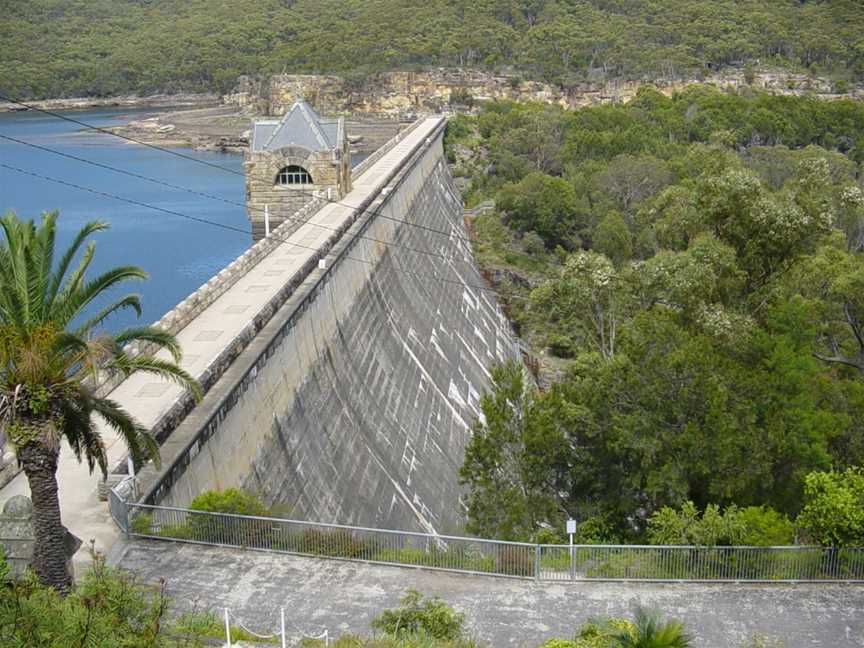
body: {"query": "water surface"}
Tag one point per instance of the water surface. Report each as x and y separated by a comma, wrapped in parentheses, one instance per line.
(178, 254)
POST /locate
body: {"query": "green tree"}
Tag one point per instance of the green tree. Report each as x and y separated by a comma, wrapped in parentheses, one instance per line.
(612, 237)
(588, 301)
(514, 450)
(630, 179)
(542, 203)
(50, 363)
(833, 513)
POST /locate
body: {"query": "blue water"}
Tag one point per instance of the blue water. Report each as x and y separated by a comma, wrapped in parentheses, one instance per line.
(178, 254)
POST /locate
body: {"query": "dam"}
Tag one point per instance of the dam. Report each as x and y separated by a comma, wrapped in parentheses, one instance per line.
(343, 359)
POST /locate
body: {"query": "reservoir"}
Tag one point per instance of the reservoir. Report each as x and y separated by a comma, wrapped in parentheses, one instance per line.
(179, 254)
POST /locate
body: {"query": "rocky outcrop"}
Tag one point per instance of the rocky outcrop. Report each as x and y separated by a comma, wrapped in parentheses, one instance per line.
(399, 94)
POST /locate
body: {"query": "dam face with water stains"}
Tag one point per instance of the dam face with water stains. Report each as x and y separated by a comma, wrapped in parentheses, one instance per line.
(354, 403)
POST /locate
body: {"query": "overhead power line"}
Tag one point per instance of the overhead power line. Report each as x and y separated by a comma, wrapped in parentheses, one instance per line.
(209, 164)
(207, 195)
(233, 228)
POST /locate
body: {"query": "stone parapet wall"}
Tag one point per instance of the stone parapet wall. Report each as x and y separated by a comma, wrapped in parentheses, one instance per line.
(179, 317)
(366, 164)
(397, 94)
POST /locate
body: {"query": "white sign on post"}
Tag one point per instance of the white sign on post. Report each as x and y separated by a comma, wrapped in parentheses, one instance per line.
(571, 526)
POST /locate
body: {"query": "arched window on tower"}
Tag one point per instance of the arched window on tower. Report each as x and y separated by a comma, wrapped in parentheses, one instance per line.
(293, 175)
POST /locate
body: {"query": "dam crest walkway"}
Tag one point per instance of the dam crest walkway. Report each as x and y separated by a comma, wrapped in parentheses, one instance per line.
(149, 398)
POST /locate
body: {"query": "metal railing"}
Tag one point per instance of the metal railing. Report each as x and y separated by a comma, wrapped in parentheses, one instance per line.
(403, 548)
(492, 557)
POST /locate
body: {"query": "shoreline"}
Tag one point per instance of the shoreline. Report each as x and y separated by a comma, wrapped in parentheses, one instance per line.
(183, 100)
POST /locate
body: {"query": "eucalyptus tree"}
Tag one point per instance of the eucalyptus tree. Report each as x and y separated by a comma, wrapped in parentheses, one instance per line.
(53, 350)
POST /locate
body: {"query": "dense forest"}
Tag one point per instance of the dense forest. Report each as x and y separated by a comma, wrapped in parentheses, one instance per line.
(62, 48)
(690, 271)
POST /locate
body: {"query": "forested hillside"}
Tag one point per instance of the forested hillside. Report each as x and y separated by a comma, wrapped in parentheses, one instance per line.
(692, 268)
(61, 48)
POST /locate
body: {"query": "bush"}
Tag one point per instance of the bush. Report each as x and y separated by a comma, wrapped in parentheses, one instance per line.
(833, 513)
(230, 500)
(532, 243)
(765, 527)
(106, 609)
(756, 525)
(431, 616)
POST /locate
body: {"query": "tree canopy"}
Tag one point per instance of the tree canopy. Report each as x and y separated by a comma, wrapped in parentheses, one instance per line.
(57, 48)
(697, 313)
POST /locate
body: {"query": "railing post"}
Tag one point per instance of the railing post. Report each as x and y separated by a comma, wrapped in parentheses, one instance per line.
(126, 528)
(537, 562)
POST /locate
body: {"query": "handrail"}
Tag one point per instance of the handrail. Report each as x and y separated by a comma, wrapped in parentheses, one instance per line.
(542, 562)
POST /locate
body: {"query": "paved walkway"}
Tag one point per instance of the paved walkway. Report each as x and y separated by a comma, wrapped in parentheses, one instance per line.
(148, 398)
(344, 596)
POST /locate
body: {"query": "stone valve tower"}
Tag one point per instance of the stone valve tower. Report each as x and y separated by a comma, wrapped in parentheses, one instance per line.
(290, 162)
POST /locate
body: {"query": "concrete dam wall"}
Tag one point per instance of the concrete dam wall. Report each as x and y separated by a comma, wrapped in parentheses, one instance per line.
(360, 409)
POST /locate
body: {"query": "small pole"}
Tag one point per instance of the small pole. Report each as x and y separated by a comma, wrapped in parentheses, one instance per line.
(227, 629)
(326, 637)
(537, 562)
(282, 614)
(571, 529)
(266, 220)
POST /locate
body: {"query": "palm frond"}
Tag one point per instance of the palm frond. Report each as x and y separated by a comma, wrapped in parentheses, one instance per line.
(150, 364)
(131, 300)
(141, 444)
(80, 431)
(18, 235)
(70, 305)
(151, 334)
(66, 260)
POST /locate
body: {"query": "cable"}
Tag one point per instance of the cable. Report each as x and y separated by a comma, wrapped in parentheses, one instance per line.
(203, 194)
(124, 137)
(236, 229)
(210, 164)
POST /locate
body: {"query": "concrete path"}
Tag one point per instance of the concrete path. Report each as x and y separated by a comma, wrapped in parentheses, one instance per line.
(344, 596)
(148, 397)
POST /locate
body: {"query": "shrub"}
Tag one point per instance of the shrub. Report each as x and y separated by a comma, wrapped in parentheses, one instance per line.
(337, 542)
(230, 500)
(431, 616)
(765, 527)
(833, 513)
(605, 633)
(755, 525)
(532, 243)
(107, 608)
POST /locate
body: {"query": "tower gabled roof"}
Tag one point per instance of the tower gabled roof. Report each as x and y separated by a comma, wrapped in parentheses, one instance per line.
(300, 126)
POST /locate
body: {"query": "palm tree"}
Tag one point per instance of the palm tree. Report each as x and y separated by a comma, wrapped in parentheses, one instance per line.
(649, 631)
(49, 368)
